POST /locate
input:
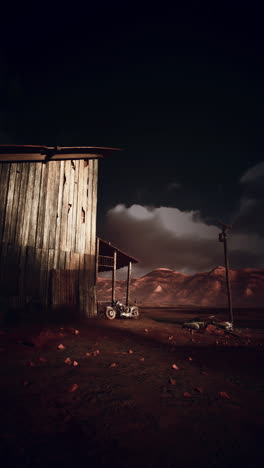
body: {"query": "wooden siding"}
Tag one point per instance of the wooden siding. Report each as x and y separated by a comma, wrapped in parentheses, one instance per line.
(48, 232)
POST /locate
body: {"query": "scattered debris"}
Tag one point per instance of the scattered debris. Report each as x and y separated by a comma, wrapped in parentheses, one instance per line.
(142, 359)
(187, 395)
(73, 387)
(190, 358)
(171, 337)
(146, 330)
(96, 352)
(76, 332)
(199, 389)
(172, 381)
(212, 330)
(61, 346)
(224, 395)
(42, 359)
(68, 361)
(114, 364)
(130, 351)
(174, 366)
(87, 354)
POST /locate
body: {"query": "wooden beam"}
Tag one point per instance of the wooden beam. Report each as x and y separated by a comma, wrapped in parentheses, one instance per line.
(114, 279)
(129, 268)
(96, 259)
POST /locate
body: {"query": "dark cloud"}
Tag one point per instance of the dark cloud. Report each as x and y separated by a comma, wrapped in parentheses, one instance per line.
(249, 218)
(170, 238)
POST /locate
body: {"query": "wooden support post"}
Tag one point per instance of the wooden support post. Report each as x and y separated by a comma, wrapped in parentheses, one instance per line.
(231, 319)
(223, 238)
(96, 259)
(129, 268)
(114, 279)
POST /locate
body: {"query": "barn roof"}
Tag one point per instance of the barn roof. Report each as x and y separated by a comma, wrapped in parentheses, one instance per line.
(106, 249)
(38, 153)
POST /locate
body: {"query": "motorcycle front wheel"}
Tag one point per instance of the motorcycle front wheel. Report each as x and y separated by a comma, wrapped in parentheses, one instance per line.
(110, 313)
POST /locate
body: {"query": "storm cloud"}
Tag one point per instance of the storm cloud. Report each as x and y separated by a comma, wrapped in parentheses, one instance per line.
(249, 218)
(170, 238)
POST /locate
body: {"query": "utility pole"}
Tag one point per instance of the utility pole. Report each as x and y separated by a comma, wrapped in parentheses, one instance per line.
(223, 238)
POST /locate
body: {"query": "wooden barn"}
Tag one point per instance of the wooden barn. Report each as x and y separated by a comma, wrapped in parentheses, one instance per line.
(48, 202)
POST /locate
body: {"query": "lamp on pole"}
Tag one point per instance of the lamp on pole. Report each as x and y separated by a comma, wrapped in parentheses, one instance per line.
(223, 238)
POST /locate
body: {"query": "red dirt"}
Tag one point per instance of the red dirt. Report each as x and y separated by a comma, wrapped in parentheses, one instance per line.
(207, 411)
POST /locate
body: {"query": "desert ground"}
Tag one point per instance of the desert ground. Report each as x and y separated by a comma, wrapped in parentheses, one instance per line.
(132, 393)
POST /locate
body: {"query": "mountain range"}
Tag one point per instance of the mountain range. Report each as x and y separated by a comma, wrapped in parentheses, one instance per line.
(165, 287)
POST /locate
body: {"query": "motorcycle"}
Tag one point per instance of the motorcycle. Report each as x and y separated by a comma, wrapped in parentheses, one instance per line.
(119, 310)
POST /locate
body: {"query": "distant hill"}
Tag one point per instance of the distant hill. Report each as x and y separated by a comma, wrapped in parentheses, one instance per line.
(165, 287)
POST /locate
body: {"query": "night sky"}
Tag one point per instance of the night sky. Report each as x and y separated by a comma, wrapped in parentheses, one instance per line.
(180, 90)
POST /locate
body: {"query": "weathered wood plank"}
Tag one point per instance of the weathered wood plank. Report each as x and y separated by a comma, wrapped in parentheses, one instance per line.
(9, 203)
(59, 206)
(89, 193)
(54, 202)
(11, 279)
(30, 273)
(22, 275)
(48, 210)
(67, 260)
(22, 203)
(94, 206)
(15, 204)
(42, 206)
(62, 259)
(28, 204)
(75, 204)
(37, 275)
(65, 206)
(81, 208)
(50, 268)
(3, 195)
(43, 280)
(4, 247)
(35, 206)
(55, 287)
(70, 207)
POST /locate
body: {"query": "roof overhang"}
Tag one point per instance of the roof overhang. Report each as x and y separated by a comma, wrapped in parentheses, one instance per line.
(34, 153)
(106, 249)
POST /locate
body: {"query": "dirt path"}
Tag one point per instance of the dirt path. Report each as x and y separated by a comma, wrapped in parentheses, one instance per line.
(131, 407)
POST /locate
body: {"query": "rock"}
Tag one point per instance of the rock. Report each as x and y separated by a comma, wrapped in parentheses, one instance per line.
(198, 389)
(68, 361)
(212, 330)
(75, 363)
(113, 364)
(187, 395)
(42, 359)
(73, 388)
(172, 381)
(174, 366)
(224, 395)
(61, 346)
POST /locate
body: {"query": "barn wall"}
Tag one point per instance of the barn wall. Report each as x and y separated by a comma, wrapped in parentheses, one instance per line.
(48, 232)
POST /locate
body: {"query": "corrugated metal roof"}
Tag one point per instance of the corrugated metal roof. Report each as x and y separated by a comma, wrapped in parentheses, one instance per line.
(122, 259)
(39, 153)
